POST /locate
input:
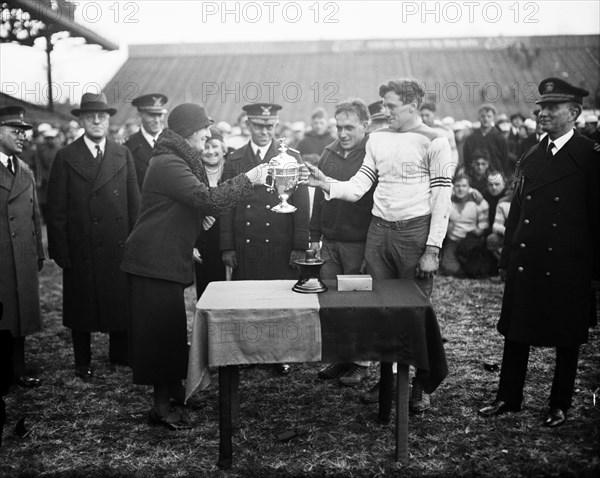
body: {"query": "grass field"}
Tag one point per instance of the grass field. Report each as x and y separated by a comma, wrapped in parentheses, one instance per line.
(100, 429)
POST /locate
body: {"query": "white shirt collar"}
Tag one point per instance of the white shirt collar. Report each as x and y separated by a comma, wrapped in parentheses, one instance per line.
(148, 137)
(4, 159)
(92, 146)
(560, 142)
(263, 149)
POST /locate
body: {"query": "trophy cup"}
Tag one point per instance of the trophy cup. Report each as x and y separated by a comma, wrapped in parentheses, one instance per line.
(284, 172)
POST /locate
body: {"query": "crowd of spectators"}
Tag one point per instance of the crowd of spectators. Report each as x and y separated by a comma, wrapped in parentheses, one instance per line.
(486, 151)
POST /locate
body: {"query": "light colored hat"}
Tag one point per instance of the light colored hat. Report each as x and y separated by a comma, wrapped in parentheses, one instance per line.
(458, 126)
(448, 121)
(591, 119)
(529, 123)
(50, 133)
(43, 127)
(298, 126)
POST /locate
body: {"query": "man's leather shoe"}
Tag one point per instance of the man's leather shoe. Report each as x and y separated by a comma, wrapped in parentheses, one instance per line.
(28, 382)
(282, 368)
(556, 417)
(84, 373)
(498, 407)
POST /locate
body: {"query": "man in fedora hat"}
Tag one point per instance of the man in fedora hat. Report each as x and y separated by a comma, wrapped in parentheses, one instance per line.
(93, 202)
(21, 238)
(257, 243)
(550, 253)
(151, 110)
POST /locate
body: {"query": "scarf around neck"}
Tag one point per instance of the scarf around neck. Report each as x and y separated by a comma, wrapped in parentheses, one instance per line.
(170, 142)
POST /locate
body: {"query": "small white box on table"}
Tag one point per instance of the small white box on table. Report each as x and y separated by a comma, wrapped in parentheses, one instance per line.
(349, 282)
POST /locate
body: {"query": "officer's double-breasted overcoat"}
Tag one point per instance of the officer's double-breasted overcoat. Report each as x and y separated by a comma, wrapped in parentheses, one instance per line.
(551, 246)
(20, 249)
(263, 239)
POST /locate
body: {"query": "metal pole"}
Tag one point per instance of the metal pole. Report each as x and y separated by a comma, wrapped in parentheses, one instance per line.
(49, 47)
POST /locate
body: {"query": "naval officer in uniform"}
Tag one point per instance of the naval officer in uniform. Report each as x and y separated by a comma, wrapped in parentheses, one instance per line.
(550, 254)
(257, 243)
(152, 111)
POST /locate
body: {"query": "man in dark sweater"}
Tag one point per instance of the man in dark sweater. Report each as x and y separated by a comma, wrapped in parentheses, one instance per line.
(312, 145)
(342, 226)
(487, 138)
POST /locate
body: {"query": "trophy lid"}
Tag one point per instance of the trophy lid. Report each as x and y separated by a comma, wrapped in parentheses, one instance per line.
(283, 159)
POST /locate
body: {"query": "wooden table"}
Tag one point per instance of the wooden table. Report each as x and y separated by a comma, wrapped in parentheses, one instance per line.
(251, 322)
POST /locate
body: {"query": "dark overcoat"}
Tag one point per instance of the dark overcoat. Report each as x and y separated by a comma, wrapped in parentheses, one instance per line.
(21, 248)
(263, 239)
(91, 210)
(142, 154)
(550, 248)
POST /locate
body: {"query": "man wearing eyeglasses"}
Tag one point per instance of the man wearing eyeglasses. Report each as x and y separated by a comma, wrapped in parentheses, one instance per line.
(93, 203)
(21, 252)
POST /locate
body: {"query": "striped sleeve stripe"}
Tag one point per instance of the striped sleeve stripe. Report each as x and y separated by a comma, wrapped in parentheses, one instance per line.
(440, 182)
(368, 172)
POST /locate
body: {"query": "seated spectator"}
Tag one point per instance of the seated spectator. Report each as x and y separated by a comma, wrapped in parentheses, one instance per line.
(495, 191)
(463, 249)
(496, 238)
(479, 170)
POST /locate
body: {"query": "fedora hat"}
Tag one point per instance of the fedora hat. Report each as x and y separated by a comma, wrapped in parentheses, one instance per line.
(93, 102)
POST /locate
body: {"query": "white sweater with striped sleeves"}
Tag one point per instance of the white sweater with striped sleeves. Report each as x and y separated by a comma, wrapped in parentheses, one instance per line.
(413, 170)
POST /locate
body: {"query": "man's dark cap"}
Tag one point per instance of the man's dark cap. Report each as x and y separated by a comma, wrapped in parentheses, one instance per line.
(555, 90)
(262, 113)
(376, 110)
(517, 115)
(151, 103)
(13, 116)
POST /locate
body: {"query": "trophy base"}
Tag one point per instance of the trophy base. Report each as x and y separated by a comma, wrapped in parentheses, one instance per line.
(311, 285)
(284, 208)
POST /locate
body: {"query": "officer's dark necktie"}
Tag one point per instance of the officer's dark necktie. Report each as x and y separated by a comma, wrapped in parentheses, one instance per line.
(98, 154)
(549, 154)
(258, 158)
(10, 165)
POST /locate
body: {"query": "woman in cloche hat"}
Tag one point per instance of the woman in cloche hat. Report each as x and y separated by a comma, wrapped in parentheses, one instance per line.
(176, 195)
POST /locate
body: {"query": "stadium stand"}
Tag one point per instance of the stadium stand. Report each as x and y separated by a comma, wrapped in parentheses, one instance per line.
(459, 73)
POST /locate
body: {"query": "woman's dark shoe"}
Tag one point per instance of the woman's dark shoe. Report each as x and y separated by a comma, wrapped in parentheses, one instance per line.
(172, 421)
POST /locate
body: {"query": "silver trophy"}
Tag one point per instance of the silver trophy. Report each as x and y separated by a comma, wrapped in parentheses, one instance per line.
(284, 173)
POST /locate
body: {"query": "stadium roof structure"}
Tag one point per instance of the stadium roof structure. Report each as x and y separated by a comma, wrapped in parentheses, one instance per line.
(458, 73)
(59, 16)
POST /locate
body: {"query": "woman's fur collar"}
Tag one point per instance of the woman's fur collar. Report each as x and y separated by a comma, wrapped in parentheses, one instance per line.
(170, 142)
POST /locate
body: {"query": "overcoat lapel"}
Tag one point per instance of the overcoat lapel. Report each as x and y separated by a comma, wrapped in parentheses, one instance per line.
(562, 164)
(82, 161)
(21, 182)
(6, 178)
(112, 164)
